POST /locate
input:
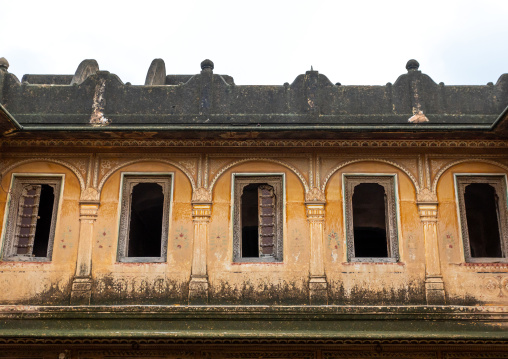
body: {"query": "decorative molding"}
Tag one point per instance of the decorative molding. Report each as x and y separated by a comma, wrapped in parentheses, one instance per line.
(276, 182)
(315, 195)
(498, 183)
(201, 195)
(90, 195)
(343, 164)
(203, 143)
(392, 236)
(426, 196)
(378, 354)
(68, 165)
(457, 162)
(250, 159)
(246, 354)
(465, 344)
(146, 159)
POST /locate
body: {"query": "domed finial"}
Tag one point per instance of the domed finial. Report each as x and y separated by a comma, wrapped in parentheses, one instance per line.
(412, 65)
(4, 64)
(207, 64)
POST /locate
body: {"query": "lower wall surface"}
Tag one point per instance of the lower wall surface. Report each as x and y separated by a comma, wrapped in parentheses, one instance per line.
(311, 350)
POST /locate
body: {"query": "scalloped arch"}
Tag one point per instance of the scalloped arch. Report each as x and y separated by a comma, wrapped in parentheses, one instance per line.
(234, 163)
(402, 168)
(69, 166)
(128, 163)
(454, 163)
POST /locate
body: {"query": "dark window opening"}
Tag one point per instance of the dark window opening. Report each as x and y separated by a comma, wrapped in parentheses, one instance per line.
(369, 221)
(258, 220)
(45, 217)
(250, 224)
(482, 213)
(145, 229)
(32, 218)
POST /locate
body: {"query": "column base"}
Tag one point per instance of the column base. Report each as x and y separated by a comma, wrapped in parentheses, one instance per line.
(318, 290)
(198, 290)
(81, 291)
(434, 290)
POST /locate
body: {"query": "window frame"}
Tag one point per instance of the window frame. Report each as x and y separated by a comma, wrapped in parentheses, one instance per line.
(127, 183)
(499, 182)
(240, 181)
(55, 180)
(390, 184)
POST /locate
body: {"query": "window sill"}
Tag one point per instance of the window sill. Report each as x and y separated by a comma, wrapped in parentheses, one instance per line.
(482, 265)
(256, 262)
(141, 260)
(35, 260)
(373, 263)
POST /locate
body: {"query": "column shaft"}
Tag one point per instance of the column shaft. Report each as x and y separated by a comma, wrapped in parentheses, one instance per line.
(198, 285)
(81, 291)
(318, 293)
(434, 285)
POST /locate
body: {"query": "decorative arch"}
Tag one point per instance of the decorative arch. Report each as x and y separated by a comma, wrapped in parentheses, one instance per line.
(402, 168)
(234, 163)
(128, 163)
(457, 162)
(46, 159)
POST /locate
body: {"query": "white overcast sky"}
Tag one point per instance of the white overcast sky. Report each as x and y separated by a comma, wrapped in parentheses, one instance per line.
(261, 42)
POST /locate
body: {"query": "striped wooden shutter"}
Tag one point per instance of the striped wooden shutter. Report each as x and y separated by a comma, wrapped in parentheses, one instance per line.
(27, 219)
(266, 203)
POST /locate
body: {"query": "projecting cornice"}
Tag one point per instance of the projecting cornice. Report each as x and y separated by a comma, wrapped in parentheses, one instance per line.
(96, 101)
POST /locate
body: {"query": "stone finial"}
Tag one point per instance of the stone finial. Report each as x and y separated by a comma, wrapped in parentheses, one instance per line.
(156, 73)
(4, 64)
(412, 65)
(207, 64)
(86, 68)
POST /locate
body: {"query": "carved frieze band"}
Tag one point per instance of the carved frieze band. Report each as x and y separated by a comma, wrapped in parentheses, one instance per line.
(92, 171)
(257, 143)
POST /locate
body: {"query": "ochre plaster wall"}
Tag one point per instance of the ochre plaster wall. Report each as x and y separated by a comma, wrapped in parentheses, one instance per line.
(466, 283)
(148, 282)
(253, 283)
(374, 283)
(43, 282)
(258, 282)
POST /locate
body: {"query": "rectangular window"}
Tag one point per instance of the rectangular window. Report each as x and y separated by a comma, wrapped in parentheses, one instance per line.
(371, 218)
(144, 219)
(257, 227)
(482, 206)
(31, 218)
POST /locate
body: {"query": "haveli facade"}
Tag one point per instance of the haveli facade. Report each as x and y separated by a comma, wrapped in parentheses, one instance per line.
(193, 217)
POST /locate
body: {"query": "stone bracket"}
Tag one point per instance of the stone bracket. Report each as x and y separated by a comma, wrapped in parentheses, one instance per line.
(318, 290)
(435, 290)
(198, 289)
(81, 291)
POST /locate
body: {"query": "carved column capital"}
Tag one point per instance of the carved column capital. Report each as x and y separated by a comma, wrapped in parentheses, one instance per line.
(315, 195)
(427, 205)
(201, 195)
(428, 212)
(315, 211)
(201, 212)
(88, 212)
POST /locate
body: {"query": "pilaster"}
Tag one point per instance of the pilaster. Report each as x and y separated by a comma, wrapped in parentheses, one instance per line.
(318, 286)
(434, 285)
(201, 213)
(81, 291)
